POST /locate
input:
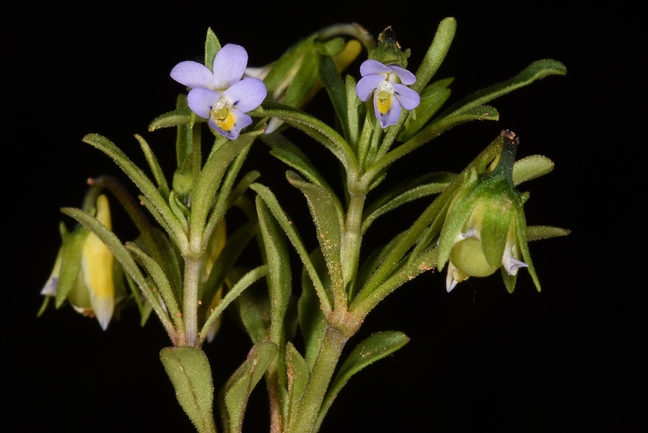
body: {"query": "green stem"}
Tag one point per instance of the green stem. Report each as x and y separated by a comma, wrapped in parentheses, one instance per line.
(352, 237)
(318, 383)
(190, 299)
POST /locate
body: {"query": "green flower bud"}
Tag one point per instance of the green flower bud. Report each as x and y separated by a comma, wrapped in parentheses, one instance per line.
(485, 227)
(389, 52)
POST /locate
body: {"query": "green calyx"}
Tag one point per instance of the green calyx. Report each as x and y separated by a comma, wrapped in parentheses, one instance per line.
(388, 51)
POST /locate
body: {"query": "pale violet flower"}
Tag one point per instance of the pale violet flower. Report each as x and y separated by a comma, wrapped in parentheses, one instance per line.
(222, 96)
(387, 83)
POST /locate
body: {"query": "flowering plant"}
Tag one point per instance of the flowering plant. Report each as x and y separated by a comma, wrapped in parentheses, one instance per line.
(186, 267)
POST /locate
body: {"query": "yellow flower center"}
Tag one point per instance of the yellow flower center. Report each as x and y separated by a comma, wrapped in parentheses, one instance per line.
(385, 94)
(223, 116)
(384, 101)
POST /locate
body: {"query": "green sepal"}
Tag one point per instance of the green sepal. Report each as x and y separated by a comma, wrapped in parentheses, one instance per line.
(327, 215)
(432, 99)
(235, 393)
(496, 221)
(190, 374)
(177, 117)
(370, 350)
(297, 379)
(388, 50)
(70, 262)
(509, 280)
(156, 170)
(212, 47)
(312, 321)
(271, 201)
(531, 167)
(524, 247)
(534, 233)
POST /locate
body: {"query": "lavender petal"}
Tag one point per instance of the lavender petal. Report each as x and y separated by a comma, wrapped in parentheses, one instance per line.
(229, 66)
(247, 94)
(201, 101)
(367, 85)
(408, 98)
(193, 74)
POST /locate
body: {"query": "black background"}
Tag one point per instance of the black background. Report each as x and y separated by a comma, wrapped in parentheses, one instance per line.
(480, 360)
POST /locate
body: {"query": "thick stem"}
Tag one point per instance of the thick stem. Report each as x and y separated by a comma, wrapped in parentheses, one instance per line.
(311, 402)
(190, 300)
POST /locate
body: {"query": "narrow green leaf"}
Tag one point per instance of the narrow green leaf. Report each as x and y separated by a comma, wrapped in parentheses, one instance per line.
(370, 350)
(178, 117)
(317, 129)
(253, 307)
(162, 283)
(158, 175)
(284, 150)
(531, 167)
(142, 182)
(534, 233)
(236, 392)
(225, 261)
(246, 281)
(312, 321)
(212, 47)
(224, 199)
(431, 131)
(297, 378)
(336, 90)
(190, 374)
(210, 179)
(432, 99)
(279, 273)
(328, 217)
(436, 53)
(371, 263)
(533, 72)
(405, 192)
(271, 201)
